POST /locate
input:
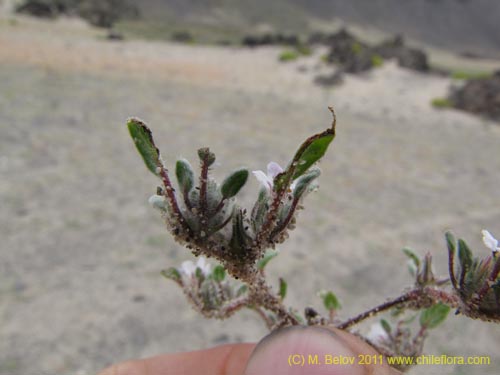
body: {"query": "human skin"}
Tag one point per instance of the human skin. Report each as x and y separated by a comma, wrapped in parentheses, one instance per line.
(269, 356)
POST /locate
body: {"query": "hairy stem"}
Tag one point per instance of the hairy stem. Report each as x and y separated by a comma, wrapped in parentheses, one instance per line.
(378, 309)
(267, 320)
(235, 305)
(261, 295)
(287, 220)
(417, 298)
(203, 186)
(451, 268)
(170, 194)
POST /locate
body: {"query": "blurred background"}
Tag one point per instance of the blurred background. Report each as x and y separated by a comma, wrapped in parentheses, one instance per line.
(415, 85)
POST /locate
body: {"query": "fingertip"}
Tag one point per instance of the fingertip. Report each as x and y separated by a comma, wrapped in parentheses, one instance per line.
(300, 350)
(303, 350)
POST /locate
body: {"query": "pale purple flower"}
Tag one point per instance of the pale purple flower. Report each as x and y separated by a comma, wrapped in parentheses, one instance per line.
(489, 241)
(267, 180)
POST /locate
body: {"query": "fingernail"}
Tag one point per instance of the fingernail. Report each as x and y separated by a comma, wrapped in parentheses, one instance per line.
(303, 350)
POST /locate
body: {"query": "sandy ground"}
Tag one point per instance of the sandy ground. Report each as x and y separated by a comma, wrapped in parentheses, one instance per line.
(81, 251)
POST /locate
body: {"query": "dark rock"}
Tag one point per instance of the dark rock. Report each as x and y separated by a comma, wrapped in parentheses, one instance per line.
(350, 53)
(100, 13)
(38, 8)
(354, 56)
(317, 38)
(479, 96)
(410, 58)
(114, 35)
(270, 39)
(182, 37)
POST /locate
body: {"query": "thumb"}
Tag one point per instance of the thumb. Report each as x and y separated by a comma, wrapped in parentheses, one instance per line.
(302, 350)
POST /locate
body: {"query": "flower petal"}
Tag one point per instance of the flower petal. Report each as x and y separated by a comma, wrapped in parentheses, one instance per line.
(489, 241)
(188, 268)
(263, 179)
(203, 266)
(377, 333)
(273, 169)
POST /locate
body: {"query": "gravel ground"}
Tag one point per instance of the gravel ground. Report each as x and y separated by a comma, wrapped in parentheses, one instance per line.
(81, 250)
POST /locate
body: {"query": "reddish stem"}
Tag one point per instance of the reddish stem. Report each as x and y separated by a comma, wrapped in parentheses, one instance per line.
(289, 217)
(383, 307)
(170, 194)
(271, 217)
(419, 298)
(451, 268)
(203, 186)
(262, 314)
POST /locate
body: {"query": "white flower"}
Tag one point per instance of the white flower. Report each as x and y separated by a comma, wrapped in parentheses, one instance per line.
(377, 333)
(489, 241)
(273, 169)
(188, 268)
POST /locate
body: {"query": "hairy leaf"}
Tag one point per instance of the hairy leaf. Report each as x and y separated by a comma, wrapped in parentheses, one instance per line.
(185, 175)
(143, 139)
(172, 274)
(433, 316)
(233, 183)
(304, 181)
(219, 273)
(308, 153)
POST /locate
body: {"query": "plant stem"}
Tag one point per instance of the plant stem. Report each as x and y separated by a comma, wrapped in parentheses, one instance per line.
(262, 314)
(417, 298)
(235, 305)
(451, 268)
(287, 220)
(203, 186)
(262, 295)
(170, 194)
(383, 307)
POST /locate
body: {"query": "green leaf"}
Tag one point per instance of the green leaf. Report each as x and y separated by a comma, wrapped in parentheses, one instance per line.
(219, 273)
(433, 316)
(464, 255)
(330, 301)
(172, 273)
(262, 263)
(450, 243)
(414, 257)
(206, 156)
(386, 326)
(304, 181)
(198, 272)
(312, 152)
(308, 153)
(185, 175)
(233, 183)
(241, 290)
(283, 289)
(143, 139)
